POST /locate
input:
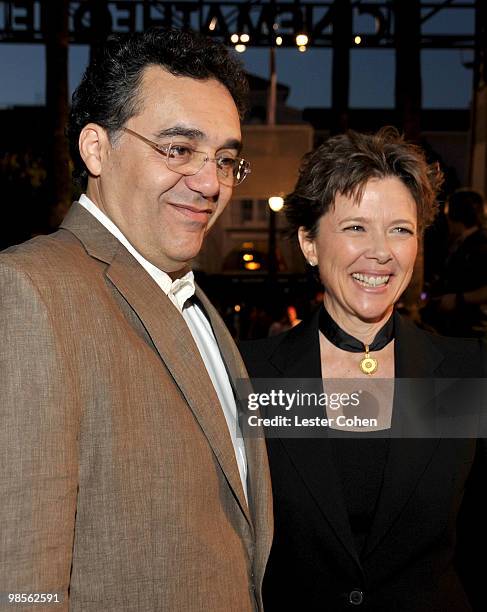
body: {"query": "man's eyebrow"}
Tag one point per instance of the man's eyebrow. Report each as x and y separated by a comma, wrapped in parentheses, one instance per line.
(232, 143)
(181, 130)
(195, 134)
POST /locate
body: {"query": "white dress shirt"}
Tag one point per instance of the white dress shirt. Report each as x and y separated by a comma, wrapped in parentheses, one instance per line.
(179, 291)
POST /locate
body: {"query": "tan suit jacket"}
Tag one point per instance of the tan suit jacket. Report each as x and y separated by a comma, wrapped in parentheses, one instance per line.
(119, 484)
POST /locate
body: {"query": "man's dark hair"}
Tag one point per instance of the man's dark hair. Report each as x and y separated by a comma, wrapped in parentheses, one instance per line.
(466, 206)
(344, 164)
(108, 92)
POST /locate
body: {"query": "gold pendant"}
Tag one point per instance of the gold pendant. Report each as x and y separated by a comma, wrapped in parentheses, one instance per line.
(368, 364)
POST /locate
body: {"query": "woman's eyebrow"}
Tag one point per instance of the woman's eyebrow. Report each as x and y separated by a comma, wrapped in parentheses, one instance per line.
(348, 219)
(407, 221)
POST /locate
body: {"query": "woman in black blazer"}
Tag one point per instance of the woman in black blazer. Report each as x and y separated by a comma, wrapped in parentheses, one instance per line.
(371, 521)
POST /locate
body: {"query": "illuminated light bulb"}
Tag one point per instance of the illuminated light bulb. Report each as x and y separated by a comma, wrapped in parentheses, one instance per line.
(247, 257)
(279, 41)
(244, 38)
(234, 38)
(237, 308)
(252, 265)
(212, 25)
(302, 40)
(276, 203)
(240, 48)
(303, 48)
(357, 40)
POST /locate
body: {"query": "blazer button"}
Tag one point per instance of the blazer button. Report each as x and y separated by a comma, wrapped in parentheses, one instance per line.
(356, 597)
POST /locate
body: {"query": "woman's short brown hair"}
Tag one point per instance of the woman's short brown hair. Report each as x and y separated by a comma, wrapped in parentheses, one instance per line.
(345, 163)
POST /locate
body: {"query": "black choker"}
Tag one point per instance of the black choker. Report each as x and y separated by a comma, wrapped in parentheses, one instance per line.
(337, 336)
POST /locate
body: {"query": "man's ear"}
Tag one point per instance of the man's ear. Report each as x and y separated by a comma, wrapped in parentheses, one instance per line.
(94, 146)
(308, 246)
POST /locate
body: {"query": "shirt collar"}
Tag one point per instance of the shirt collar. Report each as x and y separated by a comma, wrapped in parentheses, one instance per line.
(178, 291)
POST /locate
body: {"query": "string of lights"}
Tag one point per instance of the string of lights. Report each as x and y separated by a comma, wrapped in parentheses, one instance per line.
(259, 23)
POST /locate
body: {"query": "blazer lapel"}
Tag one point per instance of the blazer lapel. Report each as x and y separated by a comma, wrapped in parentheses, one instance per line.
(299, 357)
(415, 358)
(169, 334)
(258, 482)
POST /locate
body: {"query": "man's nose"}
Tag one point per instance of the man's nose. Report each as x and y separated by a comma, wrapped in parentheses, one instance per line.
(205, 181)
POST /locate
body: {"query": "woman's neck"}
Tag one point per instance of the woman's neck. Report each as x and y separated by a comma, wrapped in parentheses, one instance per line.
(365, 331)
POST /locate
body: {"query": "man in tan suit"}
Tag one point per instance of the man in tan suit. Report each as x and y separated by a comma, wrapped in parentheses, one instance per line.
(124, 483)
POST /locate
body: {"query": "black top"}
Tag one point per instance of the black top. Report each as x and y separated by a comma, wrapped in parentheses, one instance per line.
(359, 461)
(360, 465)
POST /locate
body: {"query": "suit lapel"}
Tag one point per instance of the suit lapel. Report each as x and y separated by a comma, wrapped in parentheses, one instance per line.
(231, 356)
(415, 355)
(169, 334)
(299, 357)
(258, 481)
(313, 460)
(415, 358)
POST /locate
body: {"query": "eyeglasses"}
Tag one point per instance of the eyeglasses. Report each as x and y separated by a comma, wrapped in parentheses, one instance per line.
(182, 159)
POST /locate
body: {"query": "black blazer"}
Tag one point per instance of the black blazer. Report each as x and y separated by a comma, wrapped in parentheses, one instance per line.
(412, 561)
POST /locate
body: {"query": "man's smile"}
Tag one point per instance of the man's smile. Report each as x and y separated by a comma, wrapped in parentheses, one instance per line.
(194, 213)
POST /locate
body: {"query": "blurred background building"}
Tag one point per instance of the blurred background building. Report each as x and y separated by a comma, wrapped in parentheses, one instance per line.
(248, 266)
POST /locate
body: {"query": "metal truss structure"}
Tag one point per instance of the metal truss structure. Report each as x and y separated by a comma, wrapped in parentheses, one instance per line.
(262, 21)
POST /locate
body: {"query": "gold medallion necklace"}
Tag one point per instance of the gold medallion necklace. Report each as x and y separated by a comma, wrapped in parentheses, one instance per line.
(368, 364)
(341, 339)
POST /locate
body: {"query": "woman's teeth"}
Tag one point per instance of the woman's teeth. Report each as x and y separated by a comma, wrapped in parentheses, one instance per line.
(371, 281)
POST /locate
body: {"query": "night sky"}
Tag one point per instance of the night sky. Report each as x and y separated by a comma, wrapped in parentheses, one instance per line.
(446, 82)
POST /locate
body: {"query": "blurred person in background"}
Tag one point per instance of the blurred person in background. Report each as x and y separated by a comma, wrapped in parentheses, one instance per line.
(288, 320)
(459, 305)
